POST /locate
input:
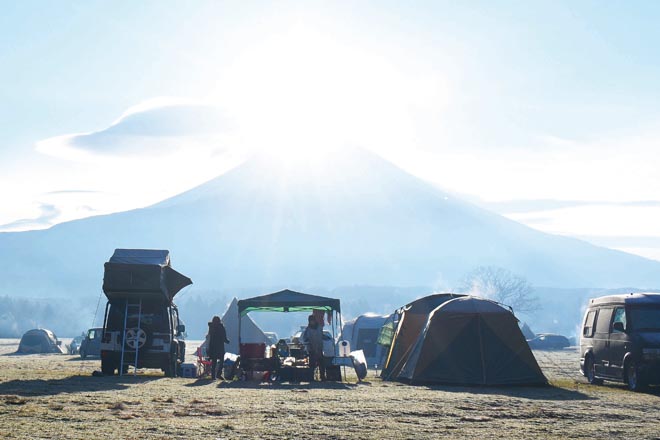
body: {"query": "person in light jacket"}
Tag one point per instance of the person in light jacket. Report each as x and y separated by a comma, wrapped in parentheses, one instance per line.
(217, 338)
(312, 337)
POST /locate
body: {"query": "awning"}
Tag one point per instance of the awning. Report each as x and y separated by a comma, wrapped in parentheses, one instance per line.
(287, 301)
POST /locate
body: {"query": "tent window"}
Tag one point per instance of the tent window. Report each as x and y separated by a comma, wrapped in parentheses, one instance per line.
(588, 329)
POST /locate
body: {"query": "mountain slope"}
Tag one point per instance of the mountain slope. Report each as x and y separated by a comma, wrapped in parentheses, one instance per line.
(349, 217)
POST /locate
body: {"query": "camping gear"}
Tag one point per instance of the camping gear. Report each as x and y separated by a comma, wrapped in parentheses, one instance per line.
(471, 341)
(285, 301)
(188, 370)
(359, 363)
(411, 321)
(144, 273)
(344, 348)
(39, 340)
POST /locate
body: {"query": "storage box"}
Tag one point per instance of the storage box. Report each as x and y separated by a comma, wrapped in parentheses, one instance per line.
(188, 370)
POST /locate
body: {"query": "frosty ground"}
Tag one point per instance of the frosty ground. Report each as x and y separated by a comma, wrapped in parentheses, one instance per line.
(55, 396)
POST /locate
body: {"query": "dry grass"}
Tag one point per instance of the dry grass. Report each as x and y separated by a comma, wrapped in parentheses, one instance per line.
(55, 396)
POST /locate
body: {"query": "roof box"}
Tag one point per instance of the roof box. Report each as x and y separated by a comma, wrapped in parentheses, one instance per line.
(142, 274)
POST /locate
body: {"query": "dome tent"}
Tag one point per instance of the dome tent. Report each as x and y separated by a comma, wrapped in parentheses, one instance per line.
(39, 340)
(472, 341)
(410, 324)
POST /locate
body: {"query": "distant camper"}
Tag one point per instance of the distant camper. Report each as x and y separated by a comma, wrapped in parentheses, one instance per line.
(620, 340)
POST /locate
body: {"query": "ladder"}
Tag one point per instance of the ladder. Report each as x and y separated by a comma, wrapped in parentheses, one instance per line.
(131, 337)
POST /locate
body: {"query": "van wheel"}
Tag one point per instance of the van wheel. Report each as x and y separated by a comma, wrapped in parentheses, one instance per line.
(590, 371)
(634, 378)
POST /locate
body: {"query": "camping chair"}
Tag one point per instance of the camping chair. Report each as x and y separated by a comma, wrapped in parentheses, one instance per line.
(203, 364)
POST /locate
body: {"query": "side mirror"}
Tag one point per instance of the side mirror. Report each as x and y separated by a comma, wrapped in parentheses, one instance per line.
(618, 327)
(181, 329)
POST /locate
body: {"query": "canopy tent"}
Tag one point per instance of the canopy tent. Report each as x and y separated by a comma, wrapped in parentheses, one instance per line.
(287, 301)
(472, 341)
(142, 272)
(411, 322)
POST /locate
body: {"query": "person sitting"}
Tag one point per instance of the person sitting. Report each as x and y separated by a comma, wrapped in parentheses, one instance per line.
(312, 338)
(217, 338)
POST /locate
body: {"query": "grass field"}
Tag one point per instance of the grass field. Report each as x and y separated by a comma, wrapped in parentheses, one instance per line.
(55, 396)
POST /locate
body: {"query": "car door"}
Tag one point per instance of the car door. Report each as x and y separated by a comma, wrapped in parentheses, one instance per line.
(601, 341)
(618, 343)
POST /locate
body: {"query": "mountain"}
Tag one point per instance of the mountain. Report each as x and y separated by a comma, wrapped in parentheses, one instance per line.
(344, 218)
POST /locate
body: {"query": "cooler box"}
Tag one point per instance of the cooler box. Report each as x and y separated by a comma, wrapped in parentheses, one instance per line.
(189, 370)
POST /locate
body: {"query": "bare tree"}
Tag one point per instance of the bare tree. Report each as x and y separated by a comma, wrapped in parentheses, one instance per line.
(503, 286)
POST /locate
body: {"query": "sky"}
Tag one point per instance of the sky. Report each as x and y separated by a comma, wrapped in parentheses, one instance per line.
(545, 112)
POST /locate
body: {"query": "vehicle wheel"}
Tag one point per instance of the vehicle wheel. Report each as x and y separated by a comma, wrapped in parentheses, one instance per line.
(634, 378)
(107, 368)
(590, 371)
(136, 338)
(83, 354)
(171, 366)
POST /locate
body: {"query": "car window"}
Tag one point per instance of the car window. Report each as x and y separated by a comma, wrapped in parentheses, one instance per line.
(603, 320)
(588, 329)
(91, 334)
(619, 316)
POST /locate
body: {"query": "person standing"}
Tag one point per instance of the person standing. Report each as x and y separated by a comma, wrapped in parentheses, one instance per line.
(312, 337)
(217, 339)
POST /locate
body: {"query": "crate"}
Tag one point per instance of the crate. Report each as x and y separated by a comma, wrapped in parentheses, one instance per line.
(189, 370)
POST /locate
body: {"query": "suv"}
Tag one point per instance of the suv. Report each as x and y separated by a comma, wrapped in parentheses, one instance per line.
(91, 343)
(620, 340)
(141, 325)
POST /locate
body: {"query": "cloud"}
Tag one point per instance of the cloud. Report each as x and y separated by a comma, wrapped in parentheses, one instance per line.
(155, 127)
(47, 214)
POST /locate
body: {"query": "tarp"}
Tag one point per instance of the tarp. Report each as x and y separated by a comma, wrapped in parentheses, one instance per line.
(144, 273)
(472, 341)
(412, 320)
(287, 301)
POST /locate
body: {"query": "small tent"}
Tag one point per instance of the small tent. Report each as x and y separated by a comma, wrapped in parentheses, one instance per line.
(411, 322)
(250, 331)
(362, 333)
(472, 341)
(39, 340)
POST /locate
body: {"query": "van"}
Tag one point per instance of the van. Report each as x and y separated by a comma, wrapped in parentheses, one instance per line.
(141, 325)
(91, 343)
(620, 340)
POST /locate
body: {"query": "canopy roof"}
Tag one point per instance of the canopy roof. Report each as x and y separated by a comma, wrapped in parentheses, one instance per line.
(287, 301)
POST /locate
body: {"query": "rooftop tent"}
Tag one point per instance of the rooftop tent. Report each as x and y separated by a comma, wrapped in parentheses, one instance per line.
(412, 319)
(287, 301)
(362, 333)
(472, 341)
(142, 272)
(39, 340)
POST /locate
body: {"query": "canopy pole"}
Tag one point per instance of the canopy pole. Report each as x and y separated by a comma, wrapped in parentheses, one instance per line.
(239, 330)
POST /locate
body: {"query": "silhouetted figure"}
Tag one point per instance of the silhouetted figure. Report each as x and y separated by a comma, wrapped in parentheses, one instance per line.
(216, 345)
(312, 337)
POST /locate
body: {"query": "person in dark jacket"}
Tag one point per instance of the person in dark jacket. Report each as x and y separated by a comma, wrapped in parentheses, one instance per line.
(217, 338)
(312, 338)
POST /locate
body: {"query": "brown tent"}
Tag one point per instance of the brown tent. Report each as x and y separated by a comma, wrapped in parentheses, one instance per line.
(472, 341)
(412, 319)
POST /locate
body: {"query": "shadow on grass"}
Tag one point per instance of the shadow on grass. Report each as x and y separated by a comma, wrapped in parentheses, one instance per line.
(547, 392)
(72, 384)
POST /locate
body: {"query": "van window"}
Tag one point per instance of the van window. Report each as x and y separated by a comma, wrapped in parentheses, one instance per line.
(588, 329)
(603, 321)
(619, 316)
(91, 334)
